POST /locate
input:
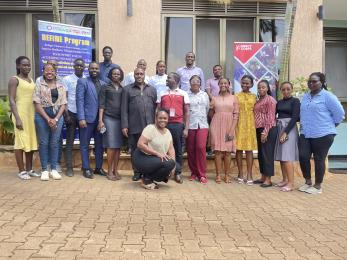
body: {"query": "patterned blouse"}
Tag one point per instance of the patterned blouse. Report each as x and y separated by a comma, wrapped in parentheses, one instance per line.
(265, 113)
(42, 95)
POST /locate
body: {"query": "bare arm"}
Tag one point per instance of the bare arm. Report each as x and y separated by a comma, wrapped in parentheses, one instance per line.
(171, 151)
(12, 93)
(142, 144)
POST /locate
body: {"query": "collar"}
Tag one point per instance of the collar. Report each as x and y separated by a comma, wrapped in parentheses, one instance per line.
(135, 85)
(108, 63)
(193, 67)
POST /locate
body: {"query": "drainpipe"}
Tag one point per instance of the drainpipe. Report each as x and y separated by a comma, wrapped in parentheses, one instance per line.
(129, 8)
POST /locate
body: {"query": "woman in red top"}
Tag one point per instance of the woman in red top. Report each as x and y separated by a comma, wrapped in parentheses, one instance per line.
(265, 123)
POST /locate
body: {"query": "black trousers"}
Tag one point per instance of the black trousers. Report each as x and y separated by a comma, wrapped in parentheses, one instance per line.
(319, 147)
(132, 141)
(176, 130)
(152, 168)
(70, 137)
(266, 152)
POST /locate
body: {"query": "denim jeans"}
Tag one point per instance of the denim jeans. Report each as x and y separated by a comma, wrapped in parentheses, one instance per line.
(48, 139)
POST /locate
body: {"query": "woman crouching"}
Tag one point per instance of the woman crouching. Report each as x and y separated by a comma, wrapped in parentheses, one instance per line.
(155, 152)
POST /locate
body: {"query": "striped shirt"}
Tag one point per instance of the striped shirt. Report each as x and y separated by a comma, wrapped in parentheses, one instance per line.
(265, 113)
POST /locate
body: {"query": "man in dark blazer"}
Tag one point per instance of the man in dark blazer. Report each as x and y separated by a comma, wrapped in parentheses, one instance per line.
(138, 111)
(87, 103)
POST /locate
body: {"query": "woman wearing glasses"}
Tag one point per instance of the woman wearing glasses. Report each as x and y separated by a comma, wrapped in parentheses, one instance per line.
(320, 113)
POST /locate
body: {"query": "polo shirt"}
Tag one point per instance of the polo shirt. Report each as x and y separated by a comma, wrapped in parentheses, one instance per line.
(174, 101)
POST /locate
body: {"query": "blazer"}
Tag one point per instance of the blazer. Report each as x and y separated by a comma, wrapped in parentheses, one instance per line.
(87, 101)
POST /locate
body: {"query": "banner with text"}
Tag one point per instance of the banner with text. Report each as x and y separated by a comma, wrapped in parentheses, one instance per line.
(258, 59)
(64, 43)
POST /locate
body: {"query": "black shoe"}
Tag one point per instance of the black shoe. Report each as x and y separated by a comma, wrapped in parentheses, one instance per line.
(178, 178)
(100, 172)
(259, 181)
(69, 172)
(264, 185)
(88, 174)
(137, 176)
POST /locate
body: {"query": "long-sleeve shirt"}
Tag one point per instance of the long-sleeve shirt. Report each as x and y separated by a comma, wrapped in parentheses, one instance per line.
(198, 110)
(319, 114)
(105, 68)
(138, 107)
(289, 108)
(265, 113)
(186, 73)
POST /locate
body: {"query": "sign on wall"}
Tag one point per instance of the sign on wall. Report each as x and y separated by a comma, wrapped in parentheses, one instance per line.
(258, 59)
(64, 43)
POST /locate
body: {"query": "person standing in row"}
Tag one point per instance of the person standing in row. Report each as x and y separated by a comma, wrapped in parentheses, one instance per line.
(246, 139)
(87, 104)
(138, 111)
(158, 81)
(49, 98)
(20, 92)
(110, 100)
(155, 153)
(286, 149)
(107, 64)
(198, 130)
(265, 123)
(320, 113)
(130, 77)
(54, 63)
(212, 88)
(176, 101)
(189, 70)
(70, 115)
(224, 110)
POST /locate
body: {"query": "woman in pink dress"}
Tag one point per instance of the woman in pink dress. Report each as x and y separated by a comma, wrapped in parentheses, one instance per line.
(224, 110)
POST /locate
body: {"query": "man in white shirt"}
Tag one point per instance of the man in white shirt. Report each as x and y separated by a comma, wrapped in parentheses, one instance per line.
(70, 83)
(129, 78)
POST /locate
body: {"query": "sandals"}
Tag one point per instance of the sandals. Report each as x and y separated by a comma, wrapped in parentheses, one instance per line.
(150, 186)
(286, 189)
(227, 178)
(249, 182)
(281, 184)
(111, 177)
(218, 179)
(240, 181)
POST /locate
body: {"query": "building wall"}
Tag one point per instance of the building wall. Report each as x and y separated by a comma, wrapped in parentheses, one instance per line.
(132, 37)
(307, 43)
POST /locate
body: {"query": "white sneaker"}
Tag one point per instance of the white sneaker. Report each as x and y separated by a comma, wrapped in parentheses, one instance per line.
(32, 173)
(58, 168)
(313, 190)
(45, 176)
(23, 175)
(304, 187)
(55, 175)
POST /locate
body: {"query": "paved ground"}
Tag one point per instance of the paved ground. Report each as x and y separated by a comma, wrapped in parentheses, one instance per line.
(77, 218)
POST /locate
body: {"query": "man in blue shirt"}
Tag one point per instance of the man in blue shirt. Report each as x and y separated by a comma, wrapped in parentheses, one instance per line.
(107, 64)
(70, 116)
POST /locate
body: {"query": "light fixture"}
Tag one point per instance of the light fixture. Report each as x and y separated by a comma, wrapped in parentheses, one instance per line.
(320, 13)
(129, 8)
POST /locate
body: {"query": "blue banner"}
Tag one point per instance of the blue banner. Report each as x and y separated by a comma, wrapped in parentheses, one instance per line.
(64, 43)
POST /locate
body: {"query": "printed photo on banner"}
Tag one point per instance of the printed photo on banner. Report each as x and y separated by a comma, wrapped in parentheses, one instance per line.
(258, 59)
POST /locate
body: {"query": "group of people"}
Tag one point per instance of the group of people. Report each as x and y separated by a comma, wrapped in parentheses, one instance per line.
(164, 114)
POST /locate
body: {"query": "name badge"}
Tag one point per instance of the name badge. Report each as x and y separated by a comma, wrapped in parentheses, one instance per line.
(172, 112)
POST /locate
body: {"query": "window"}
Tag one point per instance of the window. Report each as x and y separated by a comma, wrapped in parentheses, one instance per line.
(272, 30)
(12, 46)
(35, 18)
(85, 20)
(178, 40)
(336, 67)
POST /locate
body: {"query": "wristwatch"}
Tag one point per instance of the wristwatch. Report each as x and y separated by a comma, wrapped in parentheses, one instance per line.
(56, 119)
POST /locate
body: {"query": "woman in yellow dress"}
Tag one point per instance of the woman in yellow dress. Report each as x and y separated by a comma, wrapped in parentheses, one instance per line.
(246, 139)
(20, 92)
